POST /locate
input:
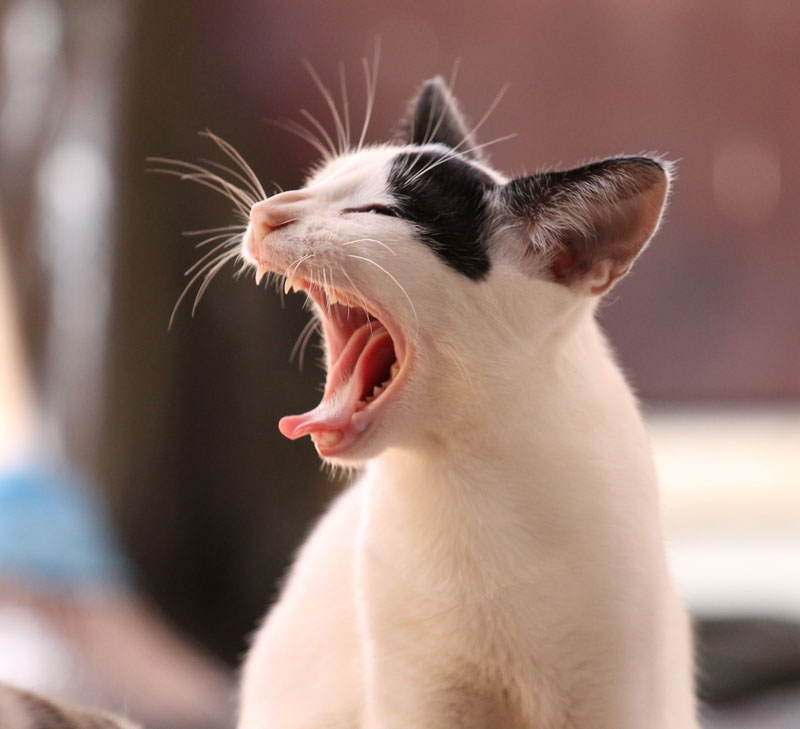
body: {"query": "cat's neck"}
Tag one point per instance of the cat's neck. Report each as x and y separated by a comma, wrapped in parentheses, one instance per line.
(568, 433)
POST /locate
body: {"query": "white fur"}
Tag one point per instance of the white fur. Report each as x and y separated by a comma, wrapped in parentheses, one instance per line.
(500, 563)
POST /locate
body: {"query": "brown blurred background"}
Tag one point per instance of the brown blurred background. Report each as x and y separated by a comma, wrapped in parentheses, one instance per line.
(180, 425)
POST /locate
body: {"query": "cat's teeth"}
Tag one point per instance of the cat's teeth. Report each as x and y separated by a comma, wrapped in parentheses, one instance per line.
(291, 284)
(260, 272)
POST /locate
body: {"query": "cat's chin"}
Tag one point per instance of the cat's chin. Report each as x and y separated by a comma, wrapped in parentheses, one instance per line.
(369, 360)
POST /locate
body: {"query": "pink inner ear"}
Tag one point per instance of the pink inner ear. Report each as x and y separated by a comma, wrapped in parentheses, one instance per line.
(562, 264)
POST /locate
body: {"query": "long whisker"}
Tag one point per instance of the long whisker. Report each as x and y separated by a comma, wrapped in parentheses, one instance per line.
(399, 285)
(296, 264)
(244, 266)
(358, 294)
(247, 185)
(236, 157)
(239, 210)
(329, 100)
(431, 133)
(231, 241)
(303, 133)
(451, 85)
(191, 169)
(370, 240)
(211, 239)
(345, 106)
(497, 99)
(307, 330)
(207, 178)
(210, 276)
(243, 189)
(318, 126)
(223, 258)
(460, 365)
(371, 81)
(325, 288)
(307, 340)
(471, 133)
(201, 179)
(460, 153)
(221, 229)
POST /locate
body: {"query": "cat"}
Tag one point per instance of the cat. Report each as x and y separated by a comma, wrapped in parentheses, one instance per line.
(499, 563)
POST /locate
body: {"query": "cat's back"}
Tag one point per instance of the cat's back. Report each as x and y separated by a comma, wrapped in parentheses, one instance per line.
(318, 603)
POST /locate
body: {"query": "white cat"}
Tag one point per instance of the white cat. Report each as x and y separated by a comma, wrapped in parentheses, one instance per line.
(500, 562)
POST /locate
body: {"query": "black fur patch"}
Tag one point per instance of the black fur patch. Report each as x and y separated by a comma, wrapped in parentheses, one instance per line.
(447, 199)
(526, 197)
(436, 118)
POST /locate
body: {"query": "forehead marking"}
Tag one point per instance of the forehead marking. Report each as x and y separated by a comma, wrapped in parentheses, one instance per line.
(447, 199)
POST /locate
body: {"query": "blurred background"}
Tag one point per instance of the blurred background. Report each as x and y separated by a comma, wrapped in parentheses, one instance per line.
(171, 435)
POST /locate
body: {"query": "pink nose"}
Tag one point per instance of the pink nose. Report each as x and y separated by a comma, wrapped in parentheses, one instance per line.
(275, 212)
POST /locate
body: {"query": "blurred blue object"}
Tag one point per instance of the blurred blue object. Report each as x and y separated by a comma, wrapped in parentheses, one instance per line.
(54, 533)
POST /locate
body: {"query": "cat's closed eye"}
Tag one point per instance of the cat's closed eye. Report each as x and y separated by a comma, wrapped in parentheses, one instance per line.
(377, 209)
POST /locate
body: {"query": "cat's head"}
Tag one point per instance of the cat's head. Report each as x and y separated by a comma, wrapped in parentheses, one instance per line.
(435, 277)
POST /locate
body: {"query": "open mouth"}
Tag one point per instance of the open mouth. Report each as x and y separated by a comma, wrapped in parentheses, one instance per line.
(366, 362)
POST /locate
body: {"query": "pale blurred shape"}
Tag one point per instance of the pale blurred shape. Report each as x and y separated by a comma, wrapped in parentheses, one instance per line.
(739, 574)
(730, 483)
(32, 654)
(729, 468)
(746, 178)
(31, 36)
(73, 211)
(31, 43)
(74, 182)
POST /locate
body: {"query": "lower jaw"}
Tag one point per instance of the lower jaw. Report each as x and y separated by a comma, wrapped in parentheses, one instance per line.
(337, 443)
(352, 441)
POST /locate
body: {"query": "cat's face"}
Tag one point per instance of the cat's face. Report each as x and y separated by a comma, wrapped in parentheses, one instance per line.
(430, 272)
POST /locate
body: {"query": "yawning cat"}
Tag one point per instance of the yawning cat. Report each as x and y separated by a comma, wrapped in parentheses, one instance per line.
(499, 563)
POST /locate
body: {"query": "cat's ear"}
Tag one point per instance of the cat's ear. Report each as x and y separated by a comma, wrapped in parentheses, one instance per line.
(434, 117)
(590, 223)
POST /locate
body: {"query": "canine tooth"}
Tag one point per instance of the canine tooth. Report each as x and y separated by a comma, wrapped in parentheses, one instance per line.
(291, 284)
(260, 272)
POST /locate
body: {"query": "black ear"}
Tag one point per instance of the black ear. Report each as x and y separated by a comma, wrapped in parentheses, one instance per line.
(591, 222)
(434, 117)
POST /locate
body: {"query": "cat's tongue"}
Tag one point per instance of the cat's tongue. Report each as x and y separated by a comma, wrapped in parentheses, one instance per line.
(363, 363)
